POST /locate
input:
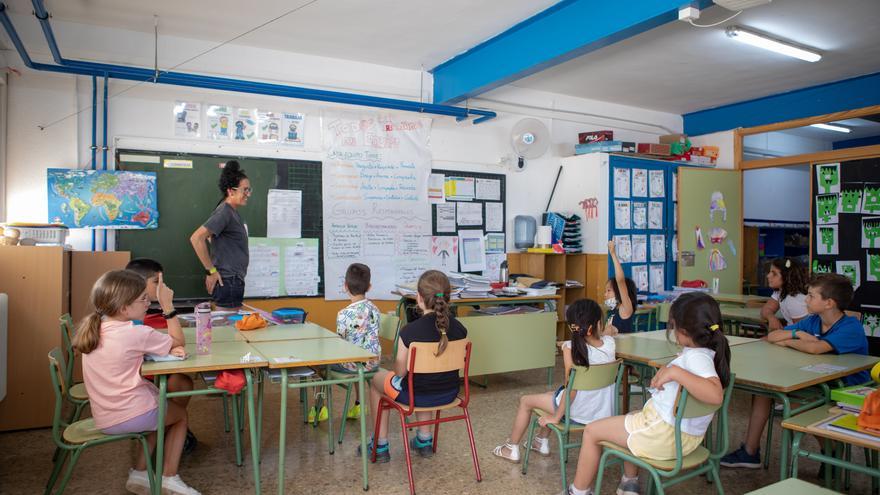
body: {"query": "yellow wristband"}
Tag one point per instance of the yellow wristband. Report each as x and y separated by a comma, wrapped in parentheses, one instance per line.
(212, 271)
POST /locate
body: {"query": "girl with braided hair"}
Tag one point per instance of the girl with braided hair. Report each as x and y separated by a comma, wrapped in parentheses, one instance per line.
(430, 389)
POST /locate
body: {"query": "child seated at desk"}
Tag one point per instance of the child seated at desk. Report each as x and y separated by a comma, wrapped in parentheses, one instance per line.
(788, 279)
(113, 349)
(430, 389)
(620, 298)
(358, 323)
(153, 273)
(587, 347)
(827, 329)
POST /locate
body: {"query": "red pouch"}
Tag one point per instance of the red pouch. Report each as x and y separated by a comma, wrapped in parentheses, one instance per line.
(694, 284)
(231, 381)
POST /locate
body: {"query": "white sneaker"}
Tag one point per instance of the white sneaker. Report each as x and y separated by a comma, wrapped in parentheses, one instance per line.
(173, 485)
(138, 482)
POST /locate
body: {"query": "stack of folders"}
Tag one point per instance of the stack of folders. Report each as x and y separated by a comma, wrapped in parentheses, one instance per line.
(851, 398)
(571, 235)
(848, 424)
(470, 286)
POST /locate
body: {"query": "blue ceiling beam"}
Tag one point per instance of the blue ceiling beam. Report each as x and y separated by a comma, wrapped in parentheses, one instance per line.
(564, 31)
(848, 94)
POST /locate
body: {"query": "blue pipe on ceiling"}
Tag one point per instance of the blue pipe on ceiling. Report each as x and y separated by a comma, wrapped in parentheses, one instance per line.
(217, 83)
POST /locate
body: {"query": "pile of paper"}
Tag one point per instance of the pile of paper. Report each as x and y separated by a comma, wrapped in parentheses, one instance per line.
(469, 286)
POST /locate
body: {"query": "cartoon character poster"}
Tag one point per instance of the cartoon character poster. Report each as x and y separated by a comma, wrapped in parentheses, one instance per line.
(187, 119)
(872, 266)
(219, 122)
(269, 123)
(244, 125)
(827, 239)
(871, 232)
(871, 199)
(826, 208)
(293, 129)
(850, 270)
(850, 201)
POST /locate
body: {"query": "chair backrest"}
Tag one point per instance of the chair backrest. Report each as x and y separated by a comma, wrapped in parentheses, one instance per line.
(663, 312)
(388, 324)
(596, 377)
(453, 358)
(689, 407)
(67, 333)
(56, 369)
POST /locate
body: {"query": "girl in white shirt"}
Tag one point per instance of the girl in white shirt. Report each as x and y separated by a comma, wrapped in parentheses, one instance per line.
(587, 347)
(702, 368)
(788, 279)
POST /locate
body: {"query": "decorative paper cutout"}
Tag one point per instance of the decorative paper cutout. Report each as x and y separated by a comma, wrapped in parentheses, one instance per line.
(850, 270)
(731, 246)
(826, 208)
(639, 215)
(717, 205)
(717, 235)
(819, 268)
(871, 200)
(699, 233)
(872, 267)
(828, 177)
(827, 239)
(871, 322)
(717, 262)
(850, 201)
(870, 232)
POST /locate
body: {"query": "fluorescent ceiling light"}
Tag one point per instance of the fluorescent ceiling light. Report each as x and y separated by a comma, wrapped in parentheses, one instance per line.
(768, 43)
(829, 127)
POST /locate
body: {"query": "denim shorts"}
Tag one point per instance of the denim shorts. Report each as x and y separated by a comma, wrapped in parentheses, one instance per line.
(230, 294)
(138, 424)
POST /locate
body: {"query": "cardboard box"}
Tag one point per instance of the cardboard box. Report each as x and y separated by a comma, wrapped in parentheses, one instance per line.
(595, 136)
(654, 149)
(673, 138)
(605, 147)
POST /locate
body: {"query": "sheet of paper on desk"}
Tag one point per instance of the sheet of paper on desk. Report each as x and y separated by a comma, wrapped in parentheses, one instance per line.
(160, 358)
(285, 360)
(823, 369)
(284, 213)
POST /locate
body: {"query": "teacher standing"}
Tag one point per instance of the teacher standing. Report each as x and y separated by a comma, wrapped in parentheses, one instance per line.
(226, 262)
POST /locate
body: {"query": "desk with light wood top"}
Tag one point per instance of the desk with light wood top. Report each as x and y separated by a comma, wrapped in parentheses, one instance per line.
(300, 331)
(218, 334)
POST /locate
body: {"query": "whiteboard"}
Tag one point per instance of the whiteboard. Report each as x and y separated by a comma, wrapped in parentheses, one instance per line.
(375, 192)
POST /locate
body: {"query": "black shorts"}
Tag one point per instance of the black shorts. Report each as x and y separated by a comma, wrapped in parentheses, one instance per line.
(230, 294)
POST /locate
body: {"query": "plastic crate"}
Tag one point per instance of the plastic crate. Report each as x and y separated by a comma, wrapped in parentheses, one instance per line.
(42, 235)
(290, 315)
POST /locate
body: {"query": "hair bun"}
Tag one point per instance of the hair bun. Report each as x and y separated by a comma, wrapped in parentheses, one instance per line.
(232, 166)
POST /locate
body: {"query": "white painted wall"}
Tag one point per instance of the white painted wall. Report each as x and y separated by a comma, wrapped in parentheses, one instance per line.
(777, 194)
(141, 116)
(724, 141)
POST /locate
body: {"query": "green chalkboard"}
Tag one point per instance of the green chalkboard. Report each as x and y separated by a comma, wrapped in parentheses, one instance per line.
(187, 196)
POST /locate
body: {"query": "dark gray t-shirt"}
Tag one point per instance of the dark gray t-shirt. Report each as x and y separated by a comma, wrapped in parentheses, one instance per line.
(229, 241)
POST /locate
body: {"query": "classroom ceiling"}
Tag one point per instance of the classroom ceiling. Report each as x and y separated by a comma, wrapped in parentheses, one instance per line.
(406, 34)
(680, 68)
(674, 68)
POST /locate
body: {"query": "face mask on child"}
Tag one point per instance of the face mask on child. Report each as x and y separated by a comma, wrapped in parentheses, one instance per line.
(611, 303)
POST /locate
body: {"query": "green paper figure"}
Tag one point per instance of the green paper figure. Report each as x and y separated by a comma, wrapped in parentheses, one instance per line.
(826, 206)
(872, 200)
(871, 229)
(827, 234)
(871, 322)
(829, 177)
(849, 271)
(850, 201)
(874, 267)
(820, 268)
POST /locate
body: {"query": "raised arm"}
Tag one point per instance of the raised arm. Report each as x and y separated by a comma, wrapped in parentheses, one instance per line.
(627, 305)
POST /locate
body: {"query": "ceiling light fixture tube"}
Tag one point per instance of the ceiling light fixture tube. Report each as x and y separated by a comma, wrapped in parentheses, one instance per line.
(774, 45)
(829, 127)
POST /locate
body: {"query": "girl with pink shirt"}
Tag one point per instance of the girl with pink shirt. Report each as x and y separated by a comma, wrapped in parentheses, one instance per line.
(113, 349)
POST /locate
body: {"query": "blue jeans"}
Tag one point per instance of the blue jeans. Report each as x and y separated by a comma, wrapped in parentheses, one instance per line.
(230, 294)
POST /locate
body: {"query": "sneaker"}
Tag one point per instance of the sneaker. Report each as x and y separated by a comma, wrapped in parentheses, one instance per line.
(425, 448)
(354, 412)
(189, 443)
(742, 459)
(628, 487)
(324, 414)
(778, 407)
(138, 482)
(383, 455)
(173, 485)
(540, 446)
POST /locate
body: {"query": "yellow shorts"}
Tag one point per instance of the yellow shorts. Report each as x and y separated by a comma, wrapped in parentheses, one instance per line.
(653, 438)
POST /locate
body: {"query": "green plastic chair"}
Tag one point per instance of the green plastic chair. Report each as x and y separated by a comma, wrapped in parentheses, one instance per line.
(80, 435)
(76, 392)
(580, 378)
(388, 324)
(701, 460)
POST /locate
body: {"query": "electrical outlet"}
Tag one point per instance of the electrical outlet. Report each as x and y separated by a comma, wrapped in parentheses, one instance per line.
(688, 14)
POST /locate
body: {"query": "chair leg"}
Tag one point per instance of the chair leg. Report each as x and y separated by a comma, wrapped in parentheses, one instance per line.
(241, 402)
(304, 398)
(769, 435)
(403, 432)
(716, 476)
(69, 472)
(597, 484)
(563, 458)
(529, 436)
(658, 483)
(375, 441)
(330, 437)
(226, 413)
(236, 433)
(470, 430)
(344, 411)
(56, 469)
(436, 431)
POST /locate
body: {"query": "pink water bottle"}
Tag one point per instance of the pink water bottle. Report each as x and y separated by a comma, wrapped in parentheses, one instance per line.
(203, 329)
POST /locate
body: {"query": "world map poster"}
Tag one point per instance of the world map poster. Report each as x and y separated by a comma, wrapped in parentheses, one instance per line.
(102, 199)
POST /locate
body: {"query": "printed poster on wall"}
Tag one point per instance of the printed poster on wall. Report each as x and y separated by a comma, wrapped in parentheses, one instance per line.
(293, 129)
(244, 126)
(828, 178)
(621, 182)
(187, 119)
(219, 122)
(640, 277)
(444, 253)
(639, 182)
(826, 239)
(623, 246)
(655, 184)
(269, 123)
(376, 210)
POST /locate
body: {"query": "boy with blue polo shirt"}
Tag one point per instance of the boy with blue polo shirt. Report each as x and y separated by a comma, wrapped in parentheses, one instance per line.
(827, 329)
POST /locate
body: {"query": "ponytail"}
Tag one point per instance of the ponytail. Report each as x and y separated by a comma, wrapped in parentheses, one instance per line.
(435, 290)
(698, 316)
(88, 335)
(587, 316)
(718, 343)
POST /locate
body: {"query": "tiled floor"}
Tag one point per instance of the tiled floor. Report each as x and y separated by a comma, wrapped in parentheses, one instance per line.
(25, 457)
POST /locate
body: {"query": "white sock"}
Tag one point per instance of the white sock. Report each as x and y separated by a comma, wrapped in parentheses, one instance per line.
(574, 491)
(627, 478)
